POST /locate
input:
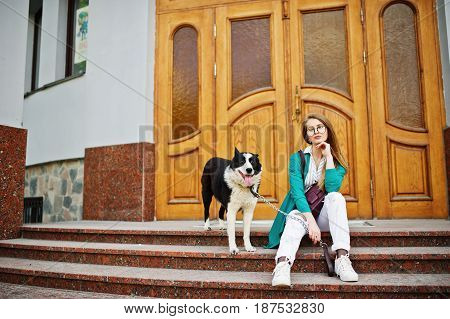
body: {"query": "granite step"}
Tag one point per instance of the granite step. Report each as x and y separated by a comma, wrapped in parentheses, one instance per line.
(372, 233)
(12, 291)
(309, 259)
(183, 283)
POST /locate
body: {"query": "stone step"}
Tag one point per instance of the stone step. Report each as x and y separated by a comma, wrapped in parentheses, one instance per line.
(182, 283)
(399, 233)
(12, 291)
(309, 259)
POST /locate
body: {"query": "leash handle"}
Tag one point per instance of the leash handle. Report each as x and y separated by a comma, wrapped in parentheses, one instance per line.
(328, 260)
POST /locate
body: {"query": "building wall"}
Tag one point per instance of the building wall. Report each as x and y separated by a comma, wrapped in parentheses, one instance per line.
(13, 48)
(12, 177)
(112, 104)
(61, 186)
(108, 105)
(119, 183)
(13, 35)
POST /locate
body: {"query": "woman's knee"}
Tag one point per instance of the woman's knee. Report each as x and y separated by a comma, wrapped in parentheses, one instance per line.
(293, 229)
(335, 197)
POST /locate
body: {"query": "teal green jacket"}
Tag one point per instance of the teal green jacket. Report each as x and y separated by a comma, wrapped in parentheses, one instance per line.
(295, 198)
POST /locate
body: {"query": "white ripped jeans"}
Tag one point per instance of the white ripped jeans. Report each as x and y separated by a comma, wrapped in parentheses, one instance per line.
(332, 217)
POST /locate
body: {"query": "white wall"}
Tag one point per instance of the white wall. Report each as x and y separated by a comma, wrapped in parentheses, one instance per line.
(13, 37)
(443, 8)
(150, 88)
(108, 104)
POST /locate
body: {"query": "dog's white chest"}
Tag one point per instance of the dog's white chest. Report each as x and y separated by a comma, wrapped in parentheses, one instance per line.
(242, 198)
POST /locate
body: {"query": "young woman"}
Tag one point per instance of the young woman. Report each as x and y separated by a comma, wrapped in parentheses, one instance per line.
(325, 165)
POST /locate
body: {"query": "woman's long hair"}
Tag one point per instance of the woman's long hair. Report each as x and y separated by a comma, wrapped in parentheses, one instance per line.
(332, 140)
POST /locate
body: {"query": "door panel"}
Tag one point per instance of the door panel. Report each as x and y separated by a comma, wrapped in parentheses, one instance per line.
(310, 53)
(250, 88)
(406, 106)
(344, 132)
(184, 112)
(328, 77)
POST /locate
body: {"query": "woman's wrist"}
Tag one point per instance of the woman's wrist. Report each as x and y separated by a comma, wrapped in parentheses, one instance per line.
(330, 162)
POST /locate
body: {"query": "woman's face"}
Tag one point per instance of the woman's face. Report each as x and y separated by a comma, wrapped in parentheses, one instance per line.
(316, 131)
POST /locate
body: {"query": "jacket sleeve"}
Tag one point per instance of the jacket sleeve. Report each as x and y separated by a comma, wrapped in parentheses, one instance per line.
(334, 178)
(297, 184)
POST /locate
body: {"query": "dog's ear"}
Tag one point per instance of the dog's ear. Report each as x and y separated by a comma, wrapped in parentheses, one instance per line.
(236, 152)
(256, 164)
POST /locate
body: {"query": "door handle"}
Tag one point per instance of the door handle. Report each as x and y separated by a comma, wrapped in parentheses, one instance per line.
(297, 111)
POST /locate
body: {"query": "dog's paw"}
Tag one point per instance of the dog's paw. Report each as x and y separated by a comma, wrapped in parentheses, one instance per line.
(250, 249)
(234, 250)
(207, 226)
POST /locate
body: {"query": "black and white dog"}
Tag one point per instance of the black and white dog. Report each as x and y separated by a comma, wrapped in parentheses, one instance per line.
(230, 182)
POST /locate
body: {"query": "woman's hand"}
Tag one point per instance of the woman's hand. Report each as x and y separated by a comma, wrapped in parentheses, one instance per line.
(325, 148)
(314, 230)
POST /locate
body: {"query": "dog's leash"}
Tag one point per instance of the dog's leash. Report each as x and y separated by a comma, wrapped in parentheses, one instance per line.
(322, 244)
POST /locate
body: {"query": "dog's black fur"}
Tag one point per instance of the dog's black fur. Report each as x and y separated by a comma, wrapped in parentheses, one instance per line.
(213, 184)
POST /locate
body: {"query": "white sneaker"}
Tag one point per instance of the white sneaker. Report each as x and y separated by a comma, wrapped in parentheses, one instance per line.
(282, 275)
(344, 270)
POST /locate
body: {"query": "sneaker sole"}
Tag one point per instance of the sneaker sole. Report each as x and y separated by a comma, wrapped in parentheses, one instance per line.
(346, 280)
(281, 285)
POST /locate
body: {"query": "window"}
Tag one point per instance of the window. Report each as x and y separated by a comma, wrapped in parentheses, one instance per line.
(69, 41)
(36, 47)
(32, 210)
(33, 45)
(77, 30)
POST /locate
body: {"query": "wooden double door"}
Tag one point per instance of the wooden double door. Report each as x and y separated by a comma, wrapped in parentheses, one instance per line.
(244, 74)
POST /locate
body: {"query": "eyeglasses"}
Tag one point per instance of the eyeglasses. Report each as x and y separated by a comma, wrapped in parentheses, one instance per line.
(312, 130)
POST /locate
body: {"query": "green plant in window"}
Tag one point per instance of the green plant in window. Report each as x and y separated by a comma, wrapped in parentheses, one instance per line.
(83, 3)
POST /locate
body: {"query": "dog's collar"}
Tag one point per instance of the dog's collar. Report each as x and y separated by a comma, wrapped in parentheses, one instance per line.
(252, 191)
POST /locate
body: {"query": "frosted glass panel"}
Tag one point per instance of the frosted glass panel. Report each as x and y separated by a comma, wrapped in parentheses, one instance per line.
(402, 66)
(325, 49)
(250, 55)
(184, 83)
